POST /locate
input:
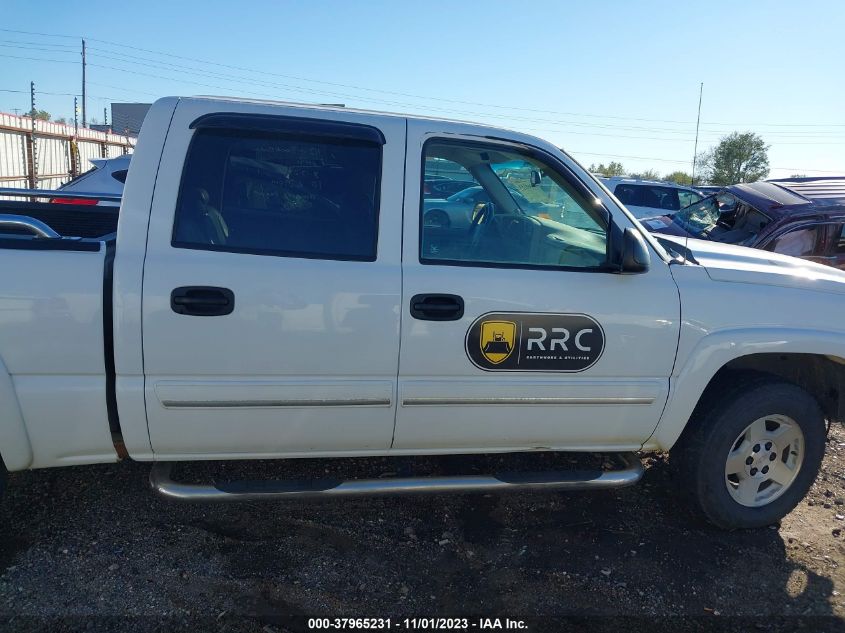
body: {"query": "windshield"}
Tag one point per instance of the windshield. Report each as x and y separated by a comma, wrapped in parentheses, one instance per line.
(477, 194)
(701, 216)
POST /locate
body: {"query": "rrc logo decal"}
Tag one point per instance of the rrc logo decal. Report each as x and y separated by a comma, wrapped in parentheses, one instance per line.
(498, 339)
(523, 341)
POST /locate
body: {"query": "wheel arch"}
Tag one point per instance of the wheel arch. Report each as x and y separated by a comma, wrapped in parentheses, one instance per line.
(15, 447)
(812, 360)
(437, 210)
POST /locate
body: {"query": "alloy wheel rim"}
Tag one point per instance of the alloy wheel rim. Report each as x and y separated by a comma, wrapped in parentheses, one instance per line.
(764, 460)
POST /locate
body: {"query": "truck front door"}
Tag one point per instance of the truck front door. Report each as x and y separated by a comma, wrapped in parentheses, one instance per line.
(514, 333)
(272, 282)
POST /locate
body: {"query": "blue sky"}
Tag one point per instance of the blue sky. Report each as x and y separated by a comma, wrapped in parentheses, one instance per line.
(606, 81)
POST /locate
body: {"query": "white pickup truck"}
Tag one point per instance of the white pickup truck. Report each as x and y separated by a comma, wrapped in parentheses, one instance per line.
(273, 292)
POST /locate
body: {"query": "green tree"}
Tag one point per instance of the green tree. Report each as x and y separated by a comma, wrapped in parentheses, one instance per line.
(43, 115)
(739, 157)
(613, 169)
(648, 174)
(679, 178)
(61, 119)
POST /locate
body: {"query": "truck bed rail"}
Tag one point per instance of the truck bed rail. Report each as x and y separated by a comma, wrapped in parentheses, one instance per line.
(43, 213)
(55, 193)
(37, 227)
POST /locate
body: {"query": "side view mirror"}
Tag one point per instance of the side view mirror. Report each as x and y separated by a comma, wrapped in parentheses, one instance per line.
(635, 257)
(535, 178)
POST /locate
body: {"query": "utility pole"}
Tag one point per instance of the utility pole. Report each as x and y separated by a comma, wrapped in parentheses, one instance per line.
(32, 162)
(105, 117)
(83, 85)
(697, 123)
(74, 148)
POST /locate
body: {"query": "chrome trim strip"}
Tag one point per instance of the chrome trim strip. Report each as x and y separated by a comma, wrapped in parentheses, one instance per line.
(10, 221)
(416, 402)
(58, 193)
(630, 473)
(232, 404)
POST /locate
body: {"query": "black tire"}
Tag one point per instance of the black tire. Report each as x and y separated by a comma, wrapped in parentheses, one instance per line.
(438, 218)
(728, 408)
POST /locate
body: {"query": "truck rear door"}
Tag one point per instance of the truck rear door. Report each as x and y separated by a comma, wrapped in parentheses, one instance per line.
(514, 336)
(272, 282)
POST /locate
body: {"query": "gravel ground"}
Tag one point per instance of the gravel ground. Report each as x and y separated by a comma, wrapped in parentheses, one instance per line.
(95, 541)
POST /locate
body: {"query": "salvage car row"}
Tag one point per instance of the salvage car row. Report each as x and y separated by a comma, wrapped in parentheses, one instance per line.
(800, 217)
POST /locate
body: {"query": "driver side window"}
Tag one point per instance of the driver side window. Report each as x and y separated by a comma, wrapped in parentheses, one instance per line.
(521, 212)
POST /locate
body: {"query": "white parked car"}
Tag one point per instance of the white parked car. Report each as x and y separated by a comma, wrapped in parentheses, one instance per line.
(456, 211)
(647, 198)
(274, 292)
(107, 176)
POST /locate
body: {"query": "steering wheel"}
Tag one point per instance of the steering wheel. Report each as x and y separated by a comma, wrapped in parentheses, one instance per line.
(512, 231)
(482, 219)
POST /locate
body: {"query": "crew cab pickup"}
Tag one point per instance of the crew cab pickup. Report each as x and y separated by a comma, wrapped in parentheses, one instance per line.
(272, 292)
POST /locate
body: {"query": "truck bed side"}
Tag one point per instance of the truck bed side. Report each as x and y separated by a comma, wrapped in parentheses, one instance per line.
(52, 353)
(66, 219)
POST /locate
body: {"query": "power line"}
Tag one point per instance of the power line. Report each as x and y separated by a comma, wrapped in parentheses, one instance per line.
(151, 94)
(556, 131)
(364, 88)
(61, 94)
(296, 89)
(411, 95)
(41, 34)
(686, 161)
(40, 59)
(34, 48)
(177, 68)
(416, 96)
(393, 103)
(571, 151)
(70, 46)
(660, 160)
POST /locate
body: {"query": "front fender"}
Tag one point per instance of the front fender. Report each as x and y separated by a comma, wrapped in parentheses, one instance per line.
(15, 447)
(714, 351)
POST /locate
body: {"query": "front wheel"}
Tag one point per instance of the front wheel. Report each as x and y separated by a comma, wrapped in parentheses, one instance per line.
(747, 459)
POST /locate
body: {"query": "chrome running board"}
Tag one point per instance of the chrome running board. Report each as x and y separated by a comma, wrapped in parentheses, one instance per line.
(630, 473)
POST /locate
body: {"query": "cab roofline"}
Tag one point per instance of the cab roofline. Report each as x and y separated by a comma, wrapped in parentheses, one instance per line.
(333, 107)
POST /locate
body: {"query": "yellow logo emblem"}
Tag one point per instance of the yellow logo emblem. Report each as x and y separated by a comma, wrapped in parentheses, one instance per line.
(497, 340)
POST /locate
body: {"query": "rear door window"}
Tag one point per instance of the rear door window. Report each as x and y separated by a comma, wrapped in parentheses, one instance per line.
(271, 193)
(839, 240)
(653, 196)
(686, 198)
(798, 242)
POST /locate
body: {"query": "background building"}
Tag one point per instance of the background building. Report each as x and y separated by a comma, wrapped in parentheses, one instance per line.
(126, 118)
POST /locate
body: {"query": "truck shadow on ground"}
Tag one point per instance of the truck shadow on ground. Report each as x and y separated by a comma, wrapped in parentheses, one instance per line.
(96, 540)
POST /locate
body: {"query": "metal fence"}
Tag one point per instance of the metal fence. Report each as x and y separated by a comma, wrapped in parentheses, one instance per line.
(46, 155)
